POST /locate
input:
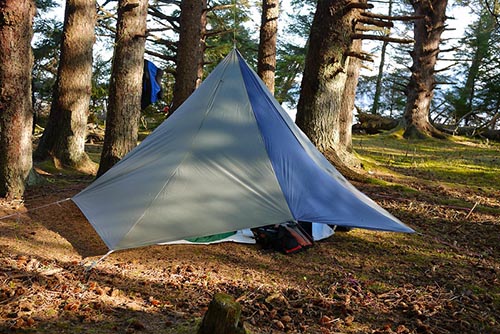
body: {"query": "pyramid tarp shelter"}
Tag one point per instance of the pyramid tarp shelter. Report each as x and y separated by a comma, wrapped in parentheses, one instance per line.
(229, 158)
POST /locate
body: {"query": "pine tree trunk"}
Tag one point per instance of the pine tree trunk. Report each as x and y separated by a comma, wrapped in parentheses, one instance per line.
(381, 67)
(190, 49)
(64, 136)
(266, 62)
(427, 34)
(16, 111)
(325, 76)
(124, 104)
(347, 105)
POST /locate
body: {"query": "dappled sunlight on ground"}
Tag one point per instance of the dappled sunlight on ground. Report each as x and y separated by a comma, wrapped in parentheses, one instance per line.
(442, 279)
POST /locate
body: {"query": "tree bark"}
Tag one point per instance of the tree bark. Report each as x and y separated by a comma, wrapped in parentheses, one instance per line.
(266, 60)
(222, 317)
(420, 90)
(64, 136)
(325, 76)
(190, 50)
(16, 111)
(347, 105)
(124, 104)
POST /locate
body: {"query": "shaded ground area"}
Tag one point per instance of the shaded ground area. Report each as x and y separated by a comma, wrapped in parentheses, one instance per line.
(443, 279)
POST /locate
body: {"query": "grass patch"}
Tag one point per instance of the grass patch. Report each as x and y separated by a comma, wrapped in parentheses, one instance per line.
(456, 161)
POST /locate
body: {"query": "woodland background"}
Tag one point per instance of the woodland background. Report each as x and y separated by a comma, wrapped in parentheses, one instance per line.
(70, 109)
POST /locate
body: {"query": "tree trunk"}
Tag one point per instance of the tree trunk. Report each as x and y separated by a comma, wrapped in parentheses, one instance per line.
(266, 62)
(16, 111)
(222, 317)
(420, 90)
(325, 76)
(347, 105)
(190, 49)
(381, 66)
(64, 136)
(124, 104)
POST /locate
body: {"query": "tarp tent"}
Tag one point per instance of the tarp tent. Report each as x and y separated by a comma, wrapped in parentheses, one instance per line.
(229, 158)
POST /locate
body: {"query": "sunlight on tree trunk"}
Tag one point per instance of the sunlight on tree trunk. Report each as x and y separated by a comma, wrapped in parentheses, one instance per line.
(420, 90)
(65, 134)
(124, 105)
(266, 62)
(325, 77)
(16, 111)
(191, 46)
(347, 105)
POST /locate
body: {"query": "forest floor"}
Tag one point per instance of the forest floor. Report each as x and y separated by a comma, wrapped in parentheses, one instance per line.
(442, 279)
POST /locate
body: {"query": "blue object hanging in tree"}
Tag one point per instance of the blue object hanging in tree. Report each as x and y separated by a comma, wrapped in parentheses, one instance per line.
(151, 84)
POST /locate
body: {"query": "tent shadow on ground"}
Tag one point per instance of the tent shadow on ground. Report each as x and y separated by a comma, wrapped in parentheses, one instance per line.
(67, 220)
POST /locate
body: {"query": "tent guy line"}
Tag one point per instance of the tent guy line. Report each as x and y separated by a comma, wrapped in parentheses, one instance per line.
(17, 213)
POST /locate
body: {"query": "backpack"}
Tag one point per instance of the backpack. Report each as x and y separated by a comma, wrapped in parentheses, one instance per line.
(287, 238)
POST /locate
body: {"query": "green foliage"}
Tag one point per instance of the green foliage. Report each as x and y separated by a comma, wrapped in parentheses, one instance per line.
(229, 26)
(459, 163)
(474, 97)
(395, 73)
(100, 88)
(291, 51)
(393, 99)
(46, 5)
(48, 35)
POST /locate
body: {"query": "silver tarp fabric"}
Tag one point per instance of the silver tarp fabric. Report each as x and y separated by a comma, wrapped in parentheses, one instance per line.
(203, 171)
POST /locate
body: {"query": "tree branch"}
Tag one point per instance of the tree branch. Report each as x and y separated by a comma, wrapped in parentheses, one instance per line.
(370, 28)
(160, 55)
(383, 38)
(360, 55)
(378, 23)
(455, 59)
(174, 21)
(449, 50)
(357, 5)
(168, 2)
(393, 18)
(444, 68)
(220, 7)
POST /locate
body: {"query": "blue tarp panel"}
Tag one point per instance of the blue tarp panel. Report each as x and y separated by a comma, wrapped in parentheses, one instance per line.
(311, 192)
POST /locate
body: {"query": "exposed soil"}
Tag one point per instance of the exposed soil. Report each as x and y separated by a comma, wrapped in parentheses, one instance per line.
(443, 279)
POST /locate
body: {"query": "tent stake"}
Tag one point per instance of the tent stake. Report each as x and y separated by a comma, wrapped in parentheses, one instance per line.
(93, 264)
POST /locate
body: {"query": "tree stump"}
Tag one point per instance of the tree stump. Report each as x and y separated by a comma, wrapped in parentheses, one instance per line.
(222, 317)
